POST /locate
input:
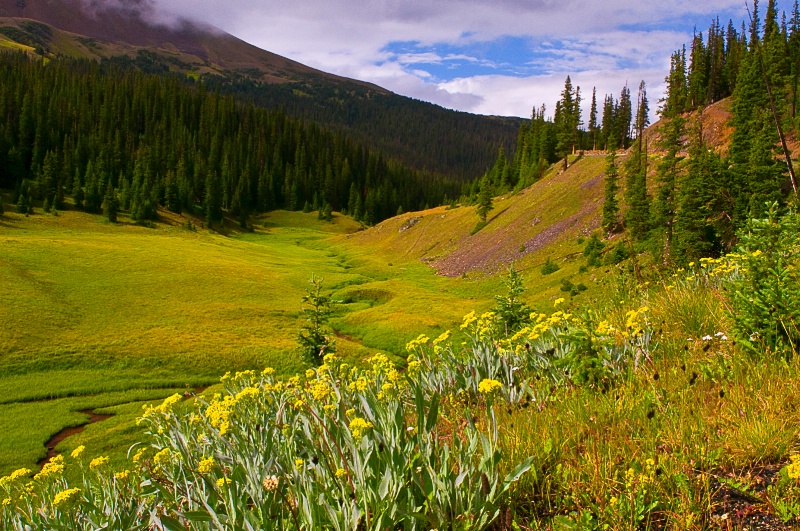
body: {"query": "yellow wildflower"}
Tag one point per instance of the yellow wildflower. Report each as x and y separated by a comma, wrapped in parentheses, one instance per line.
(298, 463)
(558, 301)
(51, 468)
(489, 387)
(65, 496)
(97, 462)
(340, 473)
(442, 338)
(77, 451)
(206, 465)
(21, 472)
(414, 367)
(224, 482)
(358, 426)
(164, 457)
(122, 475)
(468, 320)
(320, 391)
(139, 454)
(269, 371)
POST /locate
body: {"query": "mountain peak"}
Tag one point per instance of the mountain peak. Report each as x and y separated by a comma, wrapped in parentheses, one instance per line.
(138, 24)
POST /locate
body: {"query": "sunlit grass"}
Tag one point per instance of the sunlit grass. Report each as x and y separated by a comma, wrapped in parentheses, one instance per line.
(92, 308)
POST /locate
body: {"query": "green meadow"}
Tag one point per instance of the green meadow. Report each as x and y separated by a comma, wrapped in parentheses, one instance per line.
(97, 315)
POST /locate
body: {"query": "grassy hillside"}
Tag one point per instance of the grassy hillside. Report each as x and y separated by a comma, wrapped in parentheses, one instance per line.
(646, 413)
(94, 309)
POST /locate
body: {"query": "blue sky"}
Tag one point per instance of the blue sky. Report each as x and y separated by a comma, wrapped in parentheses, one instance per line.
(499, 57)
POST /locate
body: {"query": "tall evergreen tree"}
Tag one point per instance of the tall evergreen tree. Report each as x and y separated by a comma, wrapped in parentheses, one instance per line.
(110, 204)
(665, 204)
(593, 125)
(610, 221)
(485, 201)
(213, 199)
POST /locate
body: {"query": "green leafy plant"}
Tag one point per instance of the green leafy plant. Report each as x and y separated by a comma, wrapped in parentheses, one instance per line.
(549, 267)
(314, 338)
(510, 308)
(765, 296)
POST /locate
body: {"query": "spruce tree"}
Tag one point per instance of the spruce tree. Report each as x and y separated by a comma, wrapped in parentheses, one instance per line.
(610, 220)
(637, 216)
(77, 190)
(213, 199)
(593, 126)
(694, 236)
(665, 204)
(485, 199)
(110, 204)
(314, 339)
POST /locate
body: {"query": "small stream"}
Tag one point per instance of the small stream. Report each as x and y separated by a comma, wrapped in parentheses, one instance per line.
(94, 417)
(69, 432)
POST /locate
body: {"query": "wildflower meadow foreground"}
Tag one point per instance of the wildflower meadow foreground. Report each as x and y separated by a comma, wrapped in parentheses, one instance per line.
(631, 415)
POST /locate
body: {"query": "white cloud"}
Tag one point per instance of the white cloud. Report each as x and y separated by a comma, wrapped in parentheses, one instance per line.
(601, 43)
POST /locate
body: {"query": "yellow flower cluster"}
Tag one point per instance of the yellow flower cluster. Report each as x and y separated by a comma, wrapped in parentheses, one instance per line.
(206, 465)
(51, 468)
(122, 475)
(248, 393)
(414, 344)
(66, 496)
(219, 412)
(224, 482)
(414, 366)
(793, 469)
(541, 324)
(358, 426)
(635, 321)
(76, 453)
(482, 326)
(21, 472)
(320, 391)
(164, 457)
(489, 387)
(165, 407)
(97, 462)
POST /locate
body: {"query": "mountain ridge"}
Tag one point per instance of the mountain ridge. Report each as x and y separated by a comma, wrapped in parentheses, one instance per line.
(422, 135)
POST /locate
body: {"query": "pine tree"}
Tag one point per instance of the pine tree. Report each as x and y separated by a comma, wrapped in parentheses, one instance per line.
(642, 111)
(610, 220)
(110, 204)
(637, 216)
(567, 121)
(485, 199)
(694, 236)
(593, 126)
(213, 199)
(665, 204)
(314, 338)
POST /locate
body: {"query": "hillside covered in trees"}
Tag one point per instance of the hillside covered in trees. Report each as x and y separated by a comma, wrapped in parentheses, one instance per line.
(691, 201)
(419, 134)
(115, 138)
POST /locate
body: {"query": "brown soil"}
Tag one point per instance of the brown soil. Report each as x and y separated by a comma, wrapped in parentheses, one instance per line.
(734, 509)
(489, 252)
(69, 432)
